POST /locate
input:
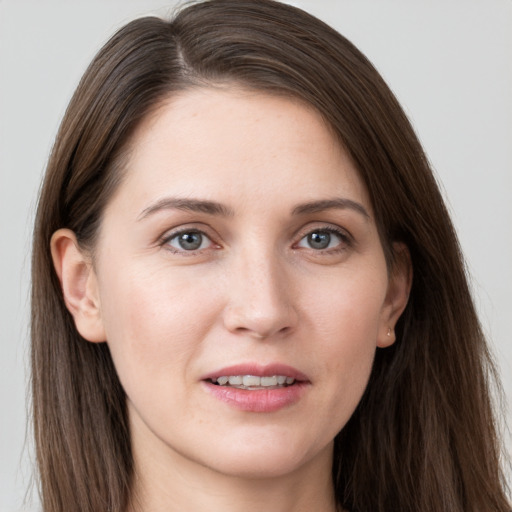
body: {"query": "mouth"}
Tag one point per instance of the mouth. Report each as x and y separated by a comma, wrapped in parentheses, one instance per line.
(253, 382)
(257, 388)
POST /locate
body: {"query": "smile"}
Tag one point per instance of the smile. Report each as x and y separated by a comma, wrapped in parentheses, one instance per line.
(251, 387)
(253, 382)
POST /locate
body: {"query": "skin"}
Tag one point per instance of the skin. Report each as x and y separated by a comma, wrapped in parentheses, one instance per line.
(256, 290)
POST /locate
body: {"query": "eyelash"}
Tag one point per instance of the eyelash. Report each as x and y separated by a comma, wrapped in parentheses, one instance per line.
(346, 240)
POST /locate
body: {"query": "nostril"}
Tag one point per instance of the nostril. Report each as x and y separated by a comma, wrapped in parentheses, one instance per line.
(261, 334)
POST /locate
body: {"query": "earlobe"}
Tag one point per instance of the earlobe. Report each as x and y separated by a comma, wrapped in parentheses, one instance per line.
(79, 285)
(397, 296)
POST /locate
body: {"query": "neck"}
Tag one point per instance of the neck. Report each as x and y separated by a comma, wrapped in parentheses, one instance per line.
(165, 481)
(231, 495)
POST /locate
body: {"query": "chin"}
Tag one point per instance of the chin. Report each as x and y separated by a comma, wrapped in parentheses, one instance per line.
(267, 460)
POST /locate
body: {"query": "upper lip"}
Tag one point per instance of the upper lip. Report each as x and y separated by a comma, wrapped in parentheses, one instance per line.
(267, 370)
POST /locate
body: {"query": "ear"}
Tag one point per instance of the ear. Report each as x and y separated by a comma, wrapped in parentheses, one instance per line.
(79, 285)
(399, 287)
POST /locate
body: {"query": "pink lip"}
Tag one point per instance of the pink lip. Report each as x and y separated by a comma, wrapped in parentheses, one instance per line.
(260, 400)
(258, 370)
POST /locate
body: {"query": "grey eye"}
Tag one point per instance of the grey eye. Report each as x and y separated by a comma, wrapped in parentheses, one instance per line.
(189, 241)
(321, 239)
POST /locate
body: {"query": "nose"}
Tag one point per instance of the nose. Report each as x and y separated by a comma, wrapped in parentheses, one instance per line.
(260, 298)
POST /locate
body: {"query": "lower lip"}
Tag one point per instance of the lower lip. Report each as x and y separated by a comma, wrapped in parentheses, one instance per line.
(258, 400)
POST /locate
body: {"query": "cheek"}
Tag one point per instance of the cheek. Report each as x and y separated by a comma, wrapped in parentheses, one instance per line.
(154, 322)
(346, 321)
(348, 313)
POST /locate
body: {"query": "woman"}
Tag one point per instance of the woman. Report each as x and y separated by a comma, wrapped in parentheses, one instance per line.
(247, 292)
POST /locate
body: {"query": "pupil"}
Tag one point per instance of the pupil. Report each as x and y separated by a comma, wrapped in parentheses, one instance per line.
(190, 241)
(319, 240)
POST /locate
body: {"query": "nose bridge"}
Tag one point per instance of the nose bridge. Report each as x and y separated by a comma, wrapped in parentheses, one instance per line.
(260, 297)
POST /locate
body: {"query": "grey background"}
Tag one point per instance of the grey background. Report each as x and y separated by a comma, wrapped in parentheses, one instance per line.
(449, 63)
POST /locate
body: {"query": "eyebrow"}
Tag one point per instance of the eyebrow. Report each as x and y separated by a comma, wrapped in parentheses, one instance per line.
(328, 204)
(215, 208)
(186, 204)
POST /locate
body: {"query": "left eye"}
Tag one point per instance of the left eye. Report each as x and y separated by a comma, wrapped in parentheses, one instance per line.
(321, 239)
(189, 241)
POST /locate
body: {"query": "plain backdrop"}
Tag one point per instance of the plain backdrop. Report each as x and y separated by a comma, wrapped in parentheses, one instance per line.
(448, 61)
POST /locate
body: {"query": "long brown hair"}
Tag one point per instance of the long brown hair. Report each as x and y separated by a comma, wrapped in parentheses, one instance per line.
(423, 438)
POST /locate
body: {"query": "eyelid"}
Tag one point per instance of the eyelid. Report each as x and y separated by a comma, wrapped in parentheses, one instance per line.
(324, 226)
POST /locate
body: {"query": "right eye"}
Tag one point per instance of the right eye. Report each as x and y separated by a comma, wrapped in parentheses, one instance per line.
(190, 240)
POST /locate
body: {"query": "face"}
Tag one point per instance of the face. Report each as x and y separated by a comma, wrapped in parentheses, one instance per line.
(240, 283)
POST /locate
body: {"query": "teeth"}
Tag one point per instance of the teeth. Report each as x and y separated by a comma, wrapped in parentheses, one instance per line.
(269, 381)
(250, 380)
(253, 381)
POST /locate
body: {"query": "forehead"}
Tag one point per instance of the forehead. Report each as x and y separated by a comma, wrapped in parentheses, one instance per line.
(233, 143)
